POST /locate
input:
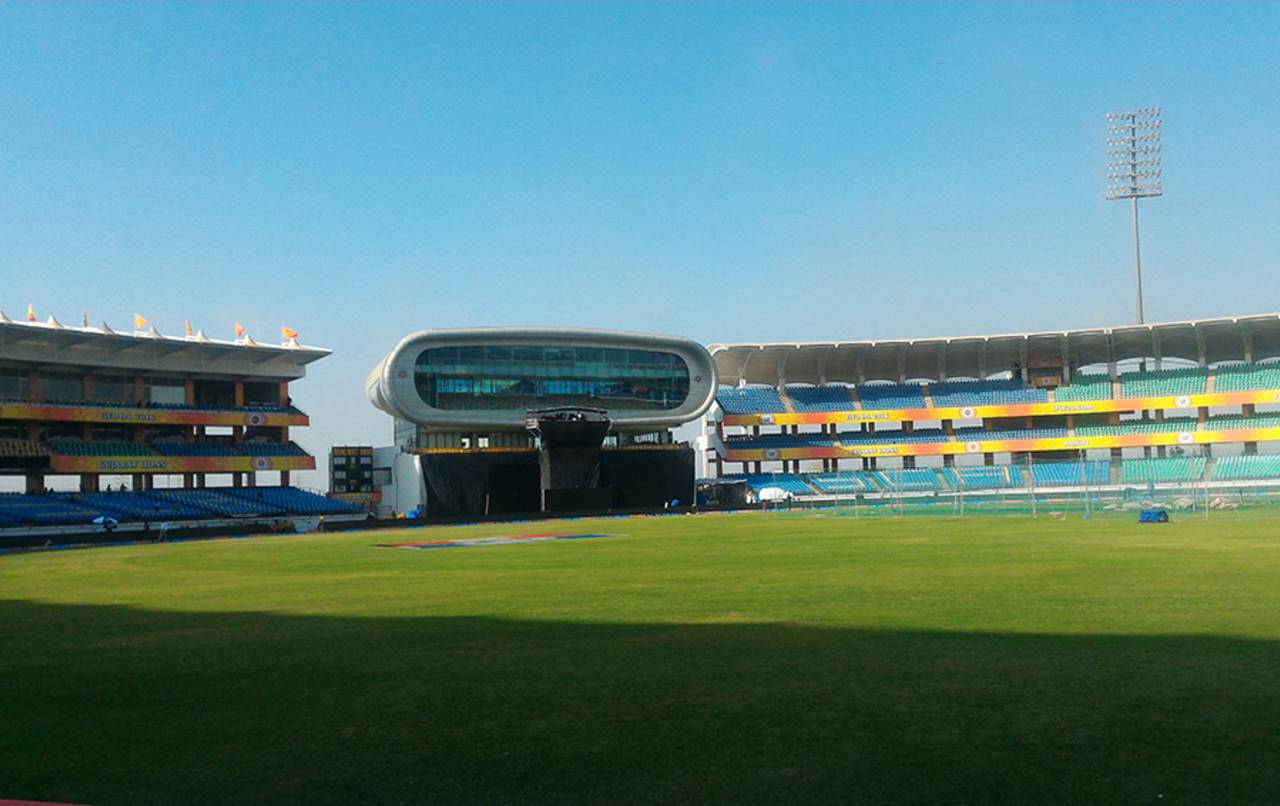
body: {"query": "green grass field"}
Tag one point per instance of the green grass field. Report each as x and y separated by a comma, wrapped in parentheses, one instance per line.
(748, 658)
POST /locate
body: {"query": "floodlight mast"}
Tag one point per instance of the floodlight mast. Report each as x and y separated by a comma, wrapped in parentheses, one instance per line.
(1133, 148)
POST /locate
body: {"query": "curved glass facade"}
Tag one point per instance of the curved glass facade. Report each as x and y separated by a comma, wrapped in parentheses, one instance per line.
(522, 377)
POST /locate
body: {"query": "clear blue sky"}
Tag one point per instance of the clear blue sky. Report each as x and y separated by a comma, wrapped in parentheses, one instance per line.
(719, 171)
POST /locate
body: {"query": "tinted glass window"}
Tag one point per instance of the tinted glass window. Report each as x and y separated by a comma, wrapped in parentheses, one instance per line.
(531, 377)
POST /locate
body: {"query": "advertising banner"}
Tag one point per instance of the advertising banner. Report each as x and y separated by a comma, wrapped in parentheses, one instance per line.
(1012, 410)
(178, 464)
(841, 451)
(123, 415)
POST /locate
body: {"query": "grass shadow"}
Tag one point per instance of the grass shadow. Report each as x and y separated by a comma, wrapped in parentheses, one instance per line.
(116, 705)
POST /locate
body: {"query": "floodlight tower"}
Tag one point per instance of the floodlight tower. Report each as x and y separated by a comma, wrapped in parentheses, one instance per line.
(1133, 148)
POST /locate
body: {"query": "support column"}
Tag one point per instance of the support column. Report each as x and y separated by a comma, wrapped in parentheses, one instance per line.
(237, 479)
(284, 478)
(88, 482)
(139, 390)
(188, 481)
(137, 482)
(35, 483)
(190, 392)
(239, 394)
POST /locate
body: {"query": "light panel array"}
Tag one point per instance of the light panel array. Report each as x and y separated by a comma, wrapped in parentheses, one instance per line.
(1133, 146)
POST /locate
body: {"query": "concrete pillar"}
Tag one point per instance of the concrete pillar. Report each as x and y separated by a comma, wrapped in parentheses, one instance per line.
(237, 480)
(284, 393)
(188, 481)
(239, 394)
(190, 392)
(35, 483)
(87, 384)
(137, 482)
(35, 390)
(88, 482)
(139, 390)
(284, 478)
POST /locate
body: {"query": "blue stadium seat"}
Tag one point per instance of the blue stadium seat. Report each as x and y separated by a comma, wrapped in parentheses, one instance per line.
(750, 400)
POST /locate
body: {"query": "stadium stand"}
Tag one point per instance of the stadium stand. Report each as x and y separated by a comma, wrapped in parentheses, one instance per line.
(766, 441)
(750, 400)
(1070, 474)
(984, 393)
(1247, 377)
(270, 449)
(1084, 387)
(99, 447)
(820, 398)
(44, 510)
(890, 436)
(1163, 383)
(193, 449)
(292, 500)
(1171, 469)
(983, 478)
(842, 483)
(1004, 434)
(157, 505)
(129, 404)
(788, 482)
(918, 479)
(1225, 422)
(1238, 468)
(891, 395)
(21, 449)
(1169, 425)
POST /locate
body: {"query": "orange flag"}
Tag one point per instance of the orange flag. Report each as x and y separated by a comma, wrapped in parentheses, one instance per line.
(239, 331)
(31, 313)
(288, 333)
(138, 322)
(189, 333)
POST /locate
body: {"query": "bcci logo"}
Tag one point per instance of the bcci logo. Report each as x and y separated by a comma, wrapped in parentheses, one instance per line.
(771, 453)
(973, 447)
(766, 419)
(261, 463)
(967, 413)
(1182, 401)
(255, 419)
(1185, 438)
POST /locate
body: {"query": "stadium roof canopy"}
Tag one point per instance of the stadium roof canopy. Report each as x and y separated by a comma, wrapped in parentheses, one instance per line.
(52, 343)
(1204, 341)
